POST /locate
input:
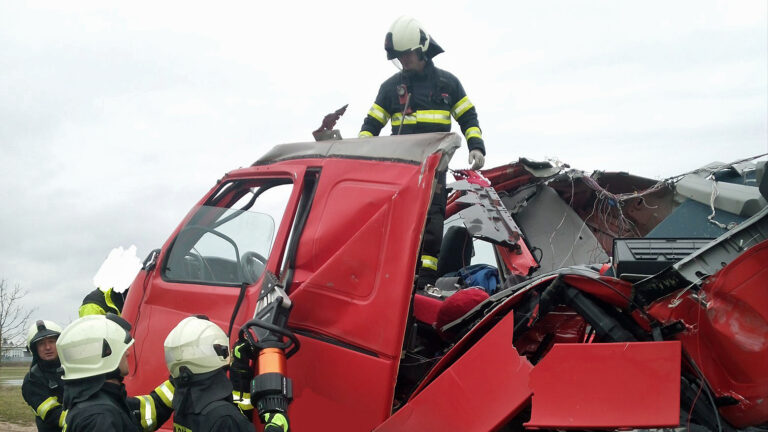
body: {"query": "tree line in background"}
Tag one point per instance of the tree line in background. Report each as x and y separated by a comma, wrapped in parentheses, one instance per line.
(13, 316)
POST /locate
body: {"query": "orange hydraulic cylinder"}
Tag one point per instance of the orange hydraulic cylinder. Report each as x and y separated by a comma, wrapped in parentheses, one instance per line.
(272, 360)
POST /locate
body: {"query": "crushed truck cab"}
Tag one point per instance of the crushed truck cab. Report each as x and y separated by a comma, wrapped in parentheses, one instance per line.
(567, 340)
(345, 246)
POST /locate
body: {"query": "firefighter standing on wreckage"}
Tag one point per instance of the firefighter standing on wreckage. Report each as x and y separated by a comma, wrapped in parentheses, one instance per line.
(422, 98)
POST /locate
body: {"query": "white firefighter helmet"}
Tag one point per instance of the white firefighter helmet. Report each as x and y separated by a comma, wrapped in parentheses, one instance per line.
(197, 345)
(41, 329)
(93, 345)
(406, 34)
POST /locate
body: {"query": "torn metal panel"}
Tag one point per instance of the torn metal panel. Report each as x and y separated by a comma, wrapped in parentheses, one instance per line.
(466, 397)
(609, 385)
(555, 229)
(486, 217)
(517, 201)
(510, 177)
(540, 169)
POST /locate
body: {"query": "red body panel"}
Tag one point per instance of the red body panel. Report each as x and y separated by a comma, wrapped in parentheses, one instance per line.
(341, 282)
(350, 299)
(354, 293)
(608, 385)
(330, 382)
(467, 396)
(728, 336)
(520, 262)
(156, 306)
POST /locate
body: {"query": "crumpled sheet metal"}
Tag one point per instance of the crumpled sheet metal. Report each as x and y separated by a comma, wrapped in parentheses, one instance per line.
(486, 217)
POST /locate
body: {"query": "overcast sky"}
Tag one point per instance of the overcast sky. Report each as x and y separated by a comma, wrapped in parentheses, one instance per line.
(116, 118)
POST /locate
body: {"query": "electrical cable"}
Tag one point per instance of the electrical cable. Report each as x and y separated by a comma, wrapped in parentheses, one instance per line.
(703, 385)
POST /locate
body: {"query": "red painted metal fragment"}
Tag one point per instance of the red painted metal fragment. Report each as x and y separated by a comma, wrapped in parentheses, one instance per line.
(611, 385)
(483, 389)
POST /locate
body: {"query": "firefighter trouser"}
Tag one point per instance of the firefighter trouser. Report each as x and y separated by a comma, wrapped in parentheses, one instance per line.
(433, 229)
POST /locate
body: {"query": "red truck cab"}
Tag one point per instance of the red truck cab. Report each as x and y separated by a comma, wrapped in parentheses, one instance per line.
(338, 225)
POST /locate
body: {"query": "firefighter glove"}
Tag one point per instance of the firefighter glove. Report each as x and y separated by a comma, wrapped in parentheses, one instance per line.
(275, 422)
(241, 369)
(477, 159)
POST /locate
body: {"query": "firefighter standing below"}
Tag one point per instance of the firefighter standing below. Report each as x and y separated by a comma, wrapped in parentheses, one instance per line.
(43, 388)
(118, 270)
(422, 98)
(93, 354)
(197, 355)
(101, 302)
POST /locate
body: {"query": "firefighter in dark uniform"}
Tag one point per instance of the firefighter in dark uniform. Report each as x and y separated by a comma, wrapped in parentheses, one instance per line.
(43, 388)
(93, 353)
(154, 409)
(101, 302)
(197, 356)
(422, 98)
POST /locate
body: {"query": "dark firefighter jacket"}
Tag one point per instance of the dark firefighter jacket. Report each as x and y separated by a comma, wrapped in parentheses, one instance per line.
(98, 302)
(43, 390)
(150, 411)
(436, 96)
(96, 405)
(203, 403)
(154, 409)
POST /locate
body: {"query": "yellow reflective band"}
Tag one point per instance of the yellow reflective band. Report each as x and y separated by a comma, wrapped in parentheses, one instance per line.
(433, 116)
(43, 408)
(423, 116)
(110, 303)
(277, 419)
(90, 309)
(473, 132)
(179, 428)
(62, 418)
(148, 413)
(379, 114)
(429, 262)
(364, 134)
(461, 107)
(397, 118)
(165, 392)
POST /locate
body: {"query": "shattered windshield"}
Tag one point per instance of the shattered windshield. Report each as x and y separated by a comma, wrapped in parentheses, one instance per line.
(228, 245)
